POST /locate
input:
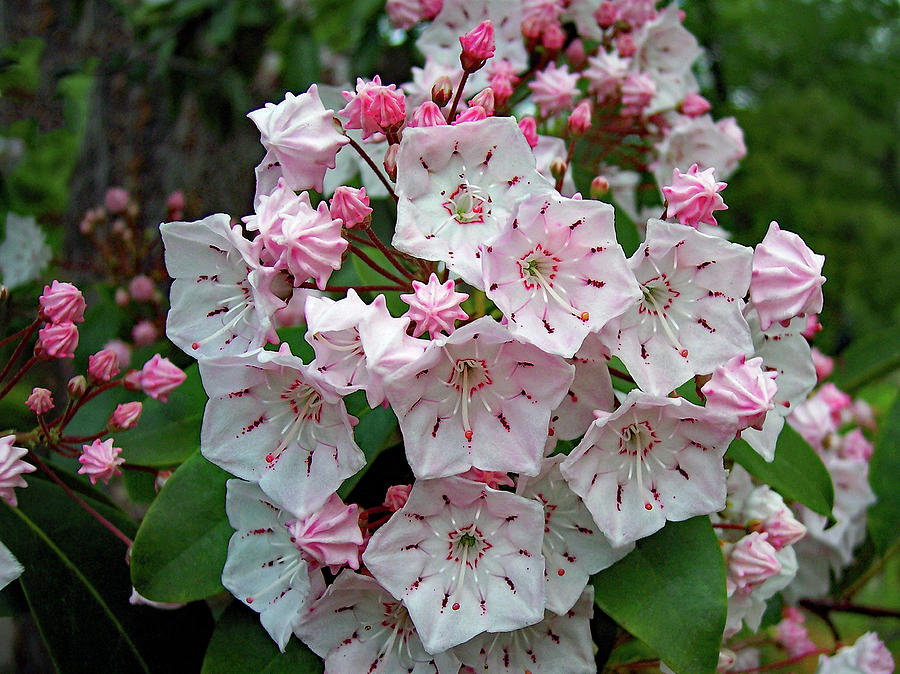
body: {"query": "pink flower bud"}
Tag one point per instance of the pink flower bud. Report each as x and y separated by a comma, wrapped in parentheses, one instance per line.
(56, 341)
(350, 205)
(576, 54)
(175, 201)
(812, 326)
(474, 113)
(159, 377)
(62, 303)
(116, 200)
(330, 536)
(529, 128)
(792, 635)
(787, 278)
(836, 400)
(121, 349)
(121, 297)
(125, 416)
(484, 98)
(390, 161)
(599, 187)
(477, 46)
(141, 288)
(103, 365)
(441, 91)
(752, 560)
(435, 307)
(607, 14)
(855, 446)
(781, 528)
(427, 114)
(76, 386)
(40, 401)
(637, 92)
(492, 478)
(625, 45)
(824, 364)
(132, 380)
(694, 105)
(386, 108)
(693, 196)
(502, 79)
(580, 119)
(742, 390)
(554, 37)
(144, 333)
(396, 496)
(100, 461)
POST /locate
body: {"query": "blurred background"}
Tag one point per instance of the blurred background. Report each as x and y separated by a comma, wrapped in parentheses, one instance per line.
(152, 96)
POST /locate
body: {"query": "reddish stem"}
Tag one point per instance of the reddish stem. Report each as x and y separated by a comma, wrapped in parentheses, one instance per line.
(374, 265)
(21, 347)
(362, 153)
(459, 90)
(562, 177)
(819, 606)
(726, 525)
(112, 528)
(389, 254)
(18, 375)
(7, 340)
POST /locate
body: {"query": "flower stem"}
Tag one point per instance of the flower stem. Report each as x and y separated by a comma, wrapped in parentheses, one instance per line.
(18, 375)
(374, 265)
(21, 346)
(459, 90)
(378, 172)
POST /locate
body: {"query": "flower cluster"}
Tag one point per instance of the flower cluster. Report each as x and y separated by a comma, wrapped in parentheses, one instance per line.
(540, 329)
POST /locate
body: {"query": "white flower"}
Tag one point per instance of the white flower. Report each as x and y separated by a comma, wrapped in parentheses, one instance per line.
(24, 252)
(10, 568)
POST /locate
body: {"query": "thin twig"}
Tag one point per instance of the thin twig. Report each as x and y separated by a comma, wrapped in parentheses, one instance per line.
(384, 181)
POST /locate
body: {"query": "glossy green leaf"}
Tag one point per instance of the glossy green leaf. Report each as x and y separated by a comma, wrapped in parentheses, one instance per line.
(167, 433)
(884, 467)
(797, 473)
(627, 233)
(240, 645)
(670, 593)
(180, 549)
(77, 585)
(867, 359)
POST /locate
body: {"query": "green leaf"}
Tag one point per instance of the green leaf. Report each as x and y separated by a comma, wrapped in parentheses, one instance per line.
(77, 585)
(180, 549)
(369, 276)
(867, 359)
(670, 593)
(884, 467)
(167, 433)
(374, 433)
(797, 473)
(626, 232)
(240, 645)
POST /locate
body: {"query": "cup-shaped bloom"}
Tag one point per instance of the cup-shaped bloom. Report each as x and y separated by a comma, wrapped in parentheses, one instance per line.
(100, 461)
(693, 196)
(559, 643)
(11, 469)
(477, 398)
(557, 273)
(458, 186)
(357, 626)
(160, 376)
(62, 303)
(57, 340)
(787, 277)
(435, 307)
(464, 559)
(654, 459)
(300, 137)
(751, 561)
(273, 420)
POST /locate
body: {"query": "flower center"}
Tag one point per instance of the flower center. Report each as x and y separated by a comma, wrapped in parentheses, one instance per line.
(468, 376)
(538, 269)
(636, 441)
(658, 296)
(468, 204)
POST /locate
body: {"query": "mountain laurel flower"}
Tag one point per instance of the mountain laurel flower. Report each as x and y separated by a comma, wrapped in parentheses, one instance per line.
(743, 390)
(330, 536)
(605, 73)
(484, 98)
(464, 559)
(824, 364)
(159, 377)
(125, 416)
(363, 112)
(10, 568)
(693, 196)
(103, 365)
(40, 401)
(503, 80)
(434, 306)
(427, 114)
(12, 468)
(868, 655)
(553, 89)
(100, 460)
(787, 277)
(792, 635)
(477, 46)
(654, 459)
(116, 200)
(62, 303)
(57, 340)
(396, 496)
(694, 105)
(300, 138)
(638, 90)
(626, 45)
(751, 561)
(351, 205)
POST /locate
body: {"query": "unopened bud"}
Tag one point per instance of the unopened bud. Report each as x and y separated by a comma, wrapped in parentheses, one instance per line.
(554, 37)
(125, 416)
(442, 91)
(625, 45)
(580, 119)
(477, 46)
(528, 125)
(599, 187)
(4, 293)
(558, 168)
(484, 98)
(390, 161)
(132, 380)
(40, 401)
(576, 54)
(77, 386)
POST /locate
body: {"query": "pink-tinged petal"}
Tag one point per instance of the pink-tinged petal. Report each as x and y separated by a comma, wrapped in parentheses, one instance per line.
(458, 186)
(272, 420)
(12, 468)
(693, 196)
(557, 273)
(464, 559)
(62, 303)
(741, 390)
(474, 392)
(330, 536)
(590, 390)
(654, 459)
(435, 307)
(787, 278)
(553, 89)
(559, 643)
